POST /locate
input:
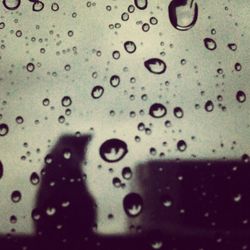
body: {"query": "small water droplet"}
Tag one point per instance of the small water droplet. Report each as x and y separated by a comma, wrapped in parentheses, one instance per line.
(97, 92)
(209, 106)
(130, 47)
(241, 96)
(178, 112)
(115, 81)
(141, 4)
(66, 101)
(181, 145)
(210, 44)
(127, 173)
(16, 196)
(34, 178)
(4, 129)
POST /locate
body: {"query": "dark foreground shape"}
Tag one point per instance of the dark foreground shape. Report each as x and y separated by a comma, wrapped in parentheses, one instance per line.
(207, 205)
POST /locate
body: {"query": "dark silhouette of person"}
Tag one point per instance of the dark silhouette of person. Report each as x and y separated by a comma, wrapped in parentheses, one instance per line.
(65, 212)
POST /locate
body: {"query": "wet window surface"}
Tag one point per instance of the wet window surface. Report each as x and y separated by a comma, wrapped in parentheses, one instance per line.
(124, 124)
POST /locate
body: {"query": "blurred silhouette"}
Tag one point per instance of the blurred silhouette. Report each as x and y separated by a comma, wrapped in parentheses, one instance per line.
(186, 205)
(64, 205)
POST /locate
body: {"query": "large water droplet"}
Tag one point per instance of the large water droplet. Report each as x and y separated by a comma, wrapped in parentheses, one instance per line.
(133, 204)
(4, 129)
(183, 14)
(155, 66)
(11, 4)
(97, 92)
(210, 44)
(157, 110)
(141, 4)
(113, 150)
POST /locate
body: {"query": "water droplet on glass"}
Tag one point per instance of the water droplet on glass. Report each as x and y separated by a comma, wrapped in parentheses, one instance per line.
(115, 81)
(113, 150)
(127, 173)
(141, 4)
(130, 47)
(66, 101)
(166, 201)
(34, 178)
(37, 5)
(155, 66)
(210, 44)
(1, 170)
(183, 14)
(133, 204)
(157, 110)
(4, 129)
(181, 145)
(209, 106)
(16, 196)
(116, 182)
(97, 92)
(178, 112)
(157, 244)
(232, 46)
(30, 67)
(19, 120)
(241, 96)
(237, 67)
(11, 4)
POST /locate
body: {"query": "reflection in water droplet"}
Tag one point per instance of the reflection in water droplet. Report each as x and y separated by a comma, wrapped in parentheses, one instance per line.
(183, 14)
(127, 173)
(232, 46)
(16, 196)
(209, 106)
(66, 101)
(237, 66)
(241, 96)
(141, 4)
(178, 112)
(133, 204)
(4, 129)
(157, 110)
(166, 201)
(155, 66)
(97, 92)
(30, 67)
(130, 47)
(113, 150)
(37, 6)
(11, 4)
(181, 145)
(34, 178)
(115, 81)
(210, 44)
